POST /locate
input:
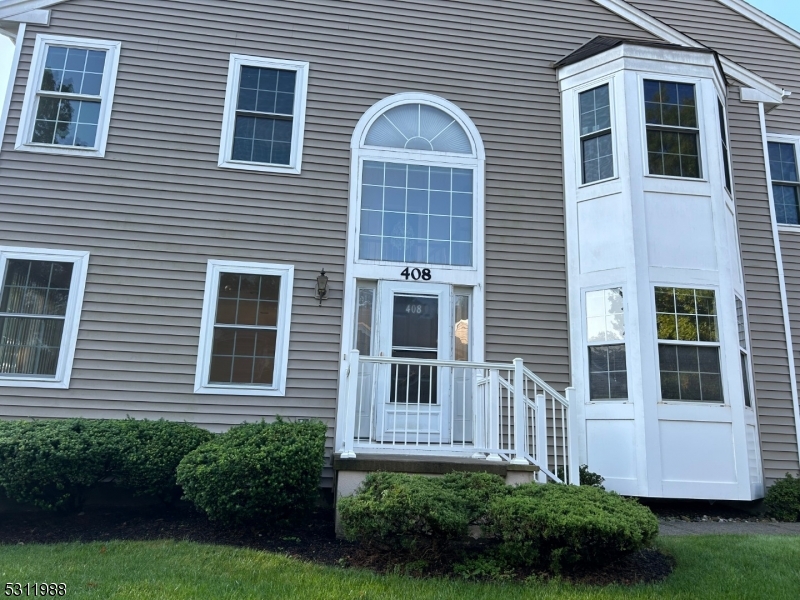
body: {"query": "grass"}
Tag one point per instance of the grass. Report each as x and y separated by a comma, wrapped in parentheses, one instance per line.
(707, 567)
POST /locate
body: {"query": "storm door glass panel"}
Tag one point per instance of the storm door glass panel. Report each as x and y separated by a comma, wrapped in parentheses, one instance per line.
(33, 305)
(785, 183)
(245, 329)
(672, 129)
(264, 115)
(69, 97)
(415, 334)
(596, 147)
(416, 214)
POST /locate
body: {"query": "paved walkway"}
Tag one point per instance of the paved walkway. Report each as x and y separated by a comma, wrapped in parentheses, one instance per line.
(727, 527)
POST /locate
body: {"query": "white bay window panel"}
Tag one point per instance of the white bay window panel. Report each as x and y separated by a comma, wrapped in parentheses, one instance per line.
(244, 338)
(264, 117)
(68, 99)
(40, 305)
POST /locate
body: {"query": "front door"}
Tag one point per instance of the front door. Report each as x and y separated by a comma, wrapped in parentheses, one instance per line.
(413, 400)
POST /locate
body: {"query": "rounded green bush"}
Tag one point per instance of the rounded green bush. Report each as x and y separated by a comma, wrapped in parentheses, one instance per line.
(149, 454)
(477, 490)
(51, 464)
(783, 499)
(558, 526)
(261, 470)
(403, 511)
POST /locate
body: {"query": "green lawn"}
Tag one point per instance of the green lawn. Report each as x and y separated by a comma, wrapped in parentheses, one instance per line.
(728, 567)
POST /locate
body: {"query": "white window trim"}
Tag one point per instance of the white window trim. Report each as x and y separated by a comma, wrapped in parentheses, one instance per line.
(600, 82)
(237, 61)
(748, 353)
(699, 102)
(72, 316)
(28, 116)
(782, 139)
(215, 268)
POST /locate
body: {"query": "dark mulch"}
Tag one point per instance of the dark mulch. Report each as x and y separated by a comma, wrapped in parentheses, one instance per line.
(314, 540)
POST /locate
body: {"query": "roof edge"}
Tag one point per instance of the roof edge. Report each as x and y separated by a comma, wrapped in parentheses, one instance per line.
(658, 28)
(759, 17)
(11, 8)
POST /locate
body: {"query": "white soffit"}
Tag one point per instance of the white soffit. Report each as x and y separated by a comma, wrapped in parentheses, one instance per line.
(763, 19)
(15, 10)
(667, 33)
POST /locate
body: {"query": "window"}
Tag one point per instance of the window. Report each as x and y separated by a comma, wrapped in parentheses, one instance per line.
(40, 304)
(597, 155)
(365, 320)
(689, 355)
(417, 188)
(68, 99)
(244, 335)
(416, 214)
(743, 351)
(672, 129)
(461, 327)
(723, 132)
(785, 182)
(605, 327)
(265, 107)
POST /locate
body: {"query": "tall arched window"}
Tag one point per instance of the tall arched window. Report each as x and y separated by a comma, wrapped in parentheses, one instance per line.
(419, 183)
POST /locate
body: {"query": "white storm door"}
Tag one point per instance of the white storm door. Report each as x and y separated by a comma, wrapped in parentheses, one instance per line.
(414, 400)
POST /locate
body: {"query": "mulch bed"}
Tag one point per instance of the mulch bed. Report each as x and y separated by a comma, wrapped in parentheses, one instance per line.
(314, 541)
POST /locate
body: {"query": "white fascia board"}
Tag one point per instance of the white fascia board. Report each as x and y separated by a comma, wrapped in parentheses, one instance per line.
(13, 8)
(763, 19)
(667, 33)
(32, 17)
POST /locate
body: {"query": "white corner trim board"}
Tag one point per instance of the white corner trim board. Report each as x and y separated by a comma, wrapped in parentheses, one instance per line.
(763, 19)
(12, 77)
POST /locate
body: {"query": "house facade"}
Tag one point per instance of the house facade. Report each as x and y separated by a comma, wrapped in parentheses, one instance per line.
(533, 234)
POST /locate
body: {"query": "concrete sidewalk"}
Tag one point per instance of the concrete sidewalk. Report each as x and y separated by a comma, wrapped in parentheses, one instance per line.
(727, 527)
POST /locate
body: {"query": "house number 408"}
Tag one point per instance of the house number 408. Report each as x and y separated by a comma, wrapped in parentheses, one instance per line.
(416, 274)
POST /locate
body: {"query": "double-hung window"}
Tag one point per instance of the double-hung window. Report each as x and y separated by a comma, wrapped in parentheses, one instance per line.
(605, 327)
(723, 132)
(40, 305)
(743, 351)
(688, 348)
(264, 116)
(244, 334)
(68, 99)
(597, 153)
(785, 182)
(673, 133)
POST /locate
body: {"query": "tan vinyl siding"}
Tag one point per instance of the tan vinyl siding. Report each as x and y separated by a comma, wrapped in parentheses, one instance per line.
(157, 207)
(715, 25)
(767, 333)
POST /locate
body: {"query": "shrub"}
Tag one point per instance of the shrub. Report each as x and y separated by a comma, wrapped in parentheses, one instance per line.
(558, 526)
(256, 470)
(51, 464)
(477, 490)
(149, 453)
(783, 499)
(404, 512)
(590, 478)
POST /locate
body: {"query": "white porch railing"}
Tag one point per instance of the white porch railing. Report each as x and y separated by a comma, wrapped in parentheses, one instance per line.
(495, 411)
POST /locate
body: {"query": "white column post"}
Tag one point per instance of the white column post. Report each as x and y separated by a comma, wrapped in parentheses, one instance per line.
(574, 424)
(350, 404)
(494, 415)
(541, 436)
(520, 422)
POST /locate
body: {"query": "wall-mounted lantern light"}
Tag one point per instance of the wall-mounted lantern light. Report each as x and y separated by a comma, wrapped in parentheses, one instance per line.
(321, 290)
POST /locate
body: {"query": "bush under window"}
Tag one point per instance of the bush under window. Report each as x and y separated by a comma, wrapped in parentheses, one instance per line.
(783, 499)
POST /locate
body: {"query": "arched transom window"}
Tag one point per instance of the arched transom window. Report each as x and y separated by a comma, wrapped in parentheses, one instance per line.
(418, 186)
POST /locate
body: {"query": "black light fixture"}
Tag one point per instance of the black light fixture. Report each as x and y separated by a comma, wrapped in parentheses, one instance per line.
(321, 291)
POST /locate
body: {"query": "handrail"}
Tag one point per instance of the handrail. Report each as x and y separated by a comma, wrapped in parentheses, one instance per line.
(424, 362)
(546, 387)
